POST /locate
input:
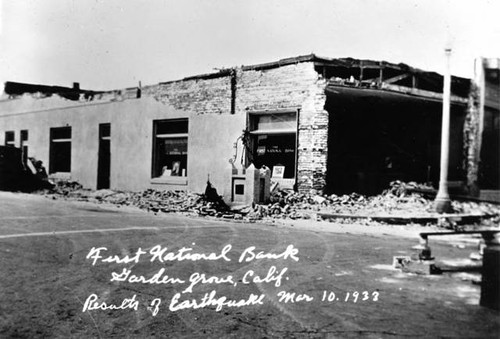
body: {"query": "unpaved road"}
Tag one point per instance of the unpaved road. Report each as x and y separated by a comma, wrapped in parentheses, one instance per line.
(45, 279)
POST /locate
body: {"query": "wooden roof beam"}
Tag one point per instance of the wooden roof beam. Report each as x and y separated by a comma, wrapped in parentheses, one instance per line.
(396, 78)
(422, 93)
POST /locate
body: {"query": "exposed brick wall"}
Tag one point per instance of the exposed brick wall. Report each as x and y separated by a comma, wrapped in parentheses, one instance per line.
(201, 96)
(313, 139)
(296, 86)
(291, 87)
(275, 88)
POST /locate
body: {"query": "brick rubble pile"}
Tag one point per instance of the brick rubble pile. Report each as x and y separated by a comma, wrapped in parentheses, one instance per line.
(398, 200)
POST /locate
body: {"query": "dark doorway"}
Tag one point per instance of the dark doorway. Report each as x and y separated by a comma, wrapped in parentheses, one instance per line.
(24, 147)
(104, 157)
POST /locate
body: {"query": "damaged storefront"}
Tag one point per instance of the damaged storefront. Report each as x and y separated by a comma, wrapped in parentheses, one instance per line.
(385, 128)
(332, 125)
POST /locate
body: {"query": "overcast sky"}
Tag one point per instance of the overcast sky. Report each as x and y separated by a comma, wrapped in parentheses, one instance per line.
(108, 44)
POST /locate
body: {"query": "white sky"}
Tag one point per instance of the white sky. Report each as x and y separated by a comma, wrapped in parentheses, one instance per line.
(108, 44)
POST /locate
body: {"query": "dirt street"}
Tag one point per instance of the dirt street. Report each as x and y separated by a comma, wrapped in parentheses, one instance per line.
(179, 277)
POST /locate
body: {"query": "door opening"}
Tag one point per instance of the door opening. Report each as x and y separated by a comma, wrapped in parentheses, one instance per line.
(104, 157)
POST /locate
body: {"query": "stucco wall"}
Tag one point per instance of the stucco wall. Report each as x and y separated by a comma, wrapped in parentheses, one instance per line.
(210, 148)
(209, 143)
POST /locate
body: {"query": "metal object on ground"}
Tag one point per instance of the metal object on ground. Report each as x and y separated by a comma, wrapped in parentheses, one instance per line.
(490, 283)
(424, 249)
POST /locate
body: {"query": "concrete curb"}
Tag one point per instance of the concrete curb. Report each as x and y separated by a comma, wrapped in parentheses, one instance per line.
(458, 218)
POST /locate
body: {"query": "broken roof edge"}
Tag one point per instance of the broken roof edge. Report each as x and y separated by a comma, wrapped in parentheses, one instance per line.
(403, 92)
(352, 62)
(342, 62)
(224, 72)
(12, 88)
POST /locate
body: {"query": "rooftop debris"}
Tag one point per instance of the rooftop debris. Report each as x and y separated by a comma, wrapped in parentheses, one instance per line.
(14, 89)
(397, 201)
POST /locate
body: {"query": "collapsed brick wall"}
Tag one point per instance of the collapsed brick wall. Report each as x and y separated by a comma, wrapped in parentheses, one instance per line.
(296, 86)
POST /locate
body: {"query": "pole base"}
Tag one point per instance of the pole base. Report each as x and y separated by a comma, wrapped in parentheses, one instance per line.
(443, 205)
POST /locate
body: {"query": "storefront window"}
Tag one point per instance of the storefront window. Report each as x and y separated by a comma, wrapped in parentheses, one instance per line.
(274, 150)
(170, 148)
(274, 138)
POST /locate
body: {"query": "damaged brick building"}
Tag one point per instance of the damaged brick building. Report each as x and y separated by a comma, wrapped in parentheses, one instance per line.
(335, 125)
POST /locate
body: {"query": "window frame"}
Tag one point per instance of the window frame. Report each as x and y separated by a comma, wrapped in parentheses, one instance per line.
(155, 175)
(24, 135)
(8, 135)
(54, 167)
(252, 123)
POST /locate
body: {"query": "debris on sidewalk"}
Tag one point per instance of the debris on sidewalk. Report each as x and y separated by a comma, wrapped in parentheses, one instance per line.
(398, 201)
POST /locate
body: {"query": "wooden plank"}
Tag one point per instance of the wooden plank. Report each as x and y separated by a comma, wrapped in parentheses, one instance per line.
(421, 92)
(172, 135)
(396, 78)
(291, 109)
(486, 232)
(274, 131)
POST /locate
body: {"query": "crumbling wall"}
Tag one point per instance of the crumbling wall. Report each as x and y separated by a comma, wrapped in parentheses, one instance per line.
(313, 139)
(296, 86)
(472, 140)
(198, 96)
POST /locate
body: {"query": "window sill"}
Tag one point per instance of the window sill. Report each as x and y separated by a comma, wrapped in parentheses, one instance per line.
(170, 181)
(60, 176)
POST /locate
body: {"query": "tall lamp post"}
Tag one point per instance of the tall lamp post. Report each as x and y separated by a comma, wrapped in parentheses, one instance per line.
(442, 201)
